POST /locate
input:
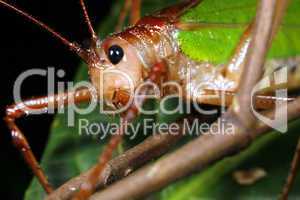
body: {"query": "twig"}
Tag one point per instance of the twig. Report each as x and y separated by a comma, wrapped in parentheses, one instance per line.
(292, 174)
(193, 156)
(267, 21)
(151, 148)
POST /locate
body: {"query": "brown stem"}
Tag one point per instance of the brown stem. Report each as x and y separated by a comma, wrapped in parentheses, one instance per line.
(292, 174)
(267, 20)
(120, 166)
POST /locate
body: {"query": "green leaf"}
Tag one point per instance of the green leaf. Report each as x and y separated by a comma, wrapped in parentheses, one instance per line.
(216, 44)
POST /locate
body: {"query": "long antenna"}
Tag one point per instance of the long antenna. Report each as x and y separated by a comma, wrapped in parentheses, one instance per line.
(95, 38)
(73, 46)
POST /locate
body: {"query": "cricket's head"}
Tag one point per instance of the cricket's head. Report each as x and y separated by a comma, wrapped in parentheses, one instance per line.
(117, 72)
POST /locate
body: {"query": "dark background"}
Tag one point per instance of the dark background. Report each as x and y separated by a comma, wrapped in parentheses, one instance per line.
(24, 46)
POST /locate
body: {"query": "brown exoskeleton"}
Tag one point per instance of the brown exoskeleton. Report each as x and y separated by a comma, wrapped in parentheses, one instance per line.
(147, 51)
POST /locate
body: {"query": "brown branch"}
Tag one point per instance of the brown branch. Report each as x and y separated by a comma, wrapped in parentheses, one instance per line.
(193, 156)
(213, 147)
(267, 21)
(151, 148)
(122, 165)
(292, 174)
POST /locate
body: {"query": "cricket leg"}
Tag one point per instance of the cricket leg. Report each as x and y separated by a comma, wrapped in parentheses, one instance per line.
(135, 14)
(233, 70)
(28, 107)
(156, 74)
(88, 187)
(123, 14)
(224, 80)
(292, 174)
(135, 7)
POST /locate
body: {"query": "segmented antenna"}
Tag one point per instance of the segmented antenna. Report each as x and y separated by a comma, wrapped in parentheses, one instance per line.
(72, 46)
(95, 38)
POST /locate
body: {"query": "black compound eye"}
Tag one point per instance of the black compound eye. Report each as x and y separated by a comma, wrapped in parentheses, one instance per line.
(115, 54)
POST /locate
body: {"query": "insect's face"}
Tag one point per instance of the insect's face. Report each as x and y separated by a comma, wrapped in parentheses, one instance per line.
(119, 70)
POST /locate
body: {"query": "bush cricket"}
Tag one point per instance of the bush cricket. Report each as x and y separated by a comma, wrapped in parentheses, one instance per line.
(152, 50)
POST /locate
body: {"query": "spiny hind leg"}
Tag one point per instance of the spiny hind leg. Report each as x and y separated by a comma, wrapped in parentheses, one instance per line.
(29, 107)
(292, 173)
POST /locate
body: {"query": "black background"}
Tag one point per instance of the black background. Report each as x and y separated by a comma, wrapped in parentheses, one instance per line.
(24, 46)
